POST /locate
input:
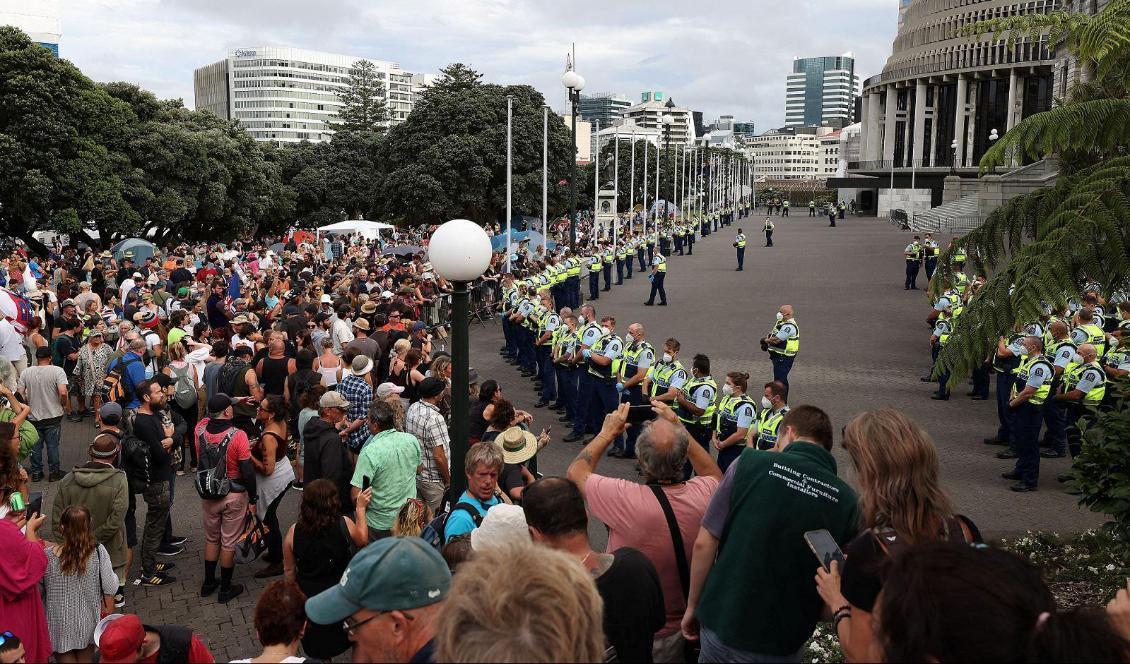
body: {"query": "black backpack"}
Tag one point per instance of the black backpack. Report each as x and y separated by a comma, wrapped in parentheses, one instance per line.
(433, 533)
(212, 481)
(135, 461)
(230, 373)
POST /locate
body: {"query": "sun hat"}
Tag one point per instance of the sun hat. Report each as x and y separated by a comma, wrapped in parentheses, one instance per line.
(362, 364)
(333, 399)
(361, 324)
(517, 445)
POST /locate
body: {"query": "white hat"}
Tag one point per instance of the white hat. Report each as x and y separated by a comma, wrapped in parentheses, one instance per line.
(503, 525)
(386, 295)
(385, 389)
(325, 299)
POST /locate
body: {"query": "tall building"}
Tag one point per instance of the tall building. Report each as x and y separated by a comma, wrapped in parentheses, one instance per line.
(744, 129)
(420, 84)
(648, 115)
(821, 90)
(604, 107)
(286, 95)
(796, 153)
(38, 18)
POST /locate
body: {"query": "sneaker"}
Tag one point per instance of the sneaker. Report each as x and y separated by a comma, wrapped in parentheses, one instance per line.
(1052, 454)
(164, 567)
(170, 550)
(231, 593)
(1021, 487)
(156, 579)
(209, 588)
(177, 540)
(120, 597)
(1007, 454)
(296, 485)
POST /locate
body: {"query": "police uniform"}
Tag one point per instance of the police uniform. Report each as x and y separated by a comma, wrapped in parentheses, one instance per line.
(549, 323)
(650, 251)
(587, 336)
(688, 238)
(595, 263)
(609, 258)
(637, 355)
(734, 412)
(1091, 380)
(564, 345)
(768, 428)
(784, 354)
(658, 275)
(768, 230)
(944, 327)
(526, 360)
(604, 398)
(739, 244)
(1090, 333)
(509, 307)
(701, 392)
(677, 233)
(931, 251)
(1006, 369)
(913, 262)
(621, 256)
(1035, 371)
(1062, 356)
(629, 249)
(573, 281)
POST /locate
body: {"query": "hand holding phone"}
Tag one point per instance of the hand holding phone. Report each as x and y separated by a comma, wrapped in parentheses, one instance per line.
(365, 481)
(640, 414)
(824, 547)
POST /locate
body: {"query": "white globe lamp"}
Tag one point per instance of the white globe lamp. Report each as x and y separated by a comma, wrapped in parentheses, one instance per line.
(460, 250)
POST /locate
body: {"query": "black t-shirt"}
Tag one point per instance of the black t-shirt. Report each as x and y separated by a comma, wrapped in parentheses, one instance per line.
(633, 604)
(149, 428)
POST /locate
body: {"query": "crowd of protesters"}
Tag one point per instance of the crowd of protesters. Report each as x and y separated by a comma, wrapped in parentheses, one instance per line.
(252, 372)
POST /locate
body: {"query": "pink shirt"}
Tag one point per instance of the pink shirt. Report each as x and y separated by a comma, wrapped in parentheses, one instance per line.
(635, 519)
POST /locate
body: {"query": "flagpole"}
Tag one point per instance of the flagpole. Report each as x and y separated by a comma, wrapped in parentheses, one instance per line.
(509, 165)
(632, 187)
(616, 189)
(545, 180)
(596, 184)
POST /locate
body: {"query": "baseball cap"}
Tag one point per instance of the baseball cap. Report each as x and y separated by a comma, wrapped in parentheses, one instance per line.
(503, 525)
(110, 413)
(385, 389)
(219, 403)
(392, 574)
(333, 399)
(182, 291)
(119, 637)
(67, 303)
(419, 325)
(325, 299)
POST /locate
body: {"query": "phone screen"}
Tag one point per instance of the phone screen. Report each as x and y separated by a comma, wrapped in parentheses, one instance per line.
(35, 503)
(638, 414)
(824, 547)
(365, 482)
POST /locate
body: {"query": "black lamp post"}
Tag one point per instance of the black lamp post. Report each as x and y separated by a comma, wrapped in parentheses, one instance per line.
(668, 122)
(573, 82)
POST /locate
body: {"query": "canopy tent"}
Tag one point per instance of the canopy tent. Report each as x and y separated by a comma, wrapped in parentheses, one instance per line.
(139, 249)
(369, 229)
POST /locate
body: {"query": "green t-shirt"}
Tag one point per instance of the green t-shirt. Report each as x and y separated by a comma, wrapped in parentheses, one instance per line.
(389, 459)
(761, 594)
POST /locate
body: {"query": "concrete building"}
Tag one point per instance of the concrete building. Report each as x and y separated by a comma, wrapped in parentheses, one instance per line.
(40, 19)
(821, 90)
(286, 95)
(604, 107)
(420, 83)
(627, 131)
(796, 153)
(745, 129)
(648, 115)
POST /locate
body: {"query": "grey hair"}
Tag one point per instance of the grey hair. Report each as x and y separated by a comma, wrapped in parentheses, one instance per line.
(381, 413)
(484, 454)
(662, 462)
(137, 344)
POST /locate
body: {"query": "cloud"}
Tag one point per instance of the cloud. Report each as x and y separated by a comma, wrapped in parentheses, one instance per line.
(728, 58)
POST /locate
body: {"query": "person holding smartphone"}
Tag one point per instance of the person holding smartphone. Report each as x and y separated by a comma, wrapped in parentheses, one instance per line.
(25, 563)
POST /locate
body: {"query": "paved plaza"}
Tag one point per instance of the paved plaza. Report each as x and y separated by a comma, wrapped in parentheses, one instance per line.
(864, 344)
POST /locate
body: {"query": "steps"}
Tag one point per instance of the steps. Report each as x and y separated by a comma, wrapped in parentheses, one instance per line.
(956, 216)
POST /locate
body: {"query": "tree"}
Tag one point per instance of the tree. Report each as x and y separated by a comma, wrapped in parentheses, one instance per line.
(1055, 243)
(364, 107)
(456, 77)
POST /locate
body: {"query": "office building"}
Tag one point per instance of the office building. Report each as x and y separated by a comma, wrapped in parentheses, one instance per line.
(648, 115)
(796, 153)
(744, 129)
(420, 84)
(607, 108)
(286, 95)
(821, 90)
(40, 19)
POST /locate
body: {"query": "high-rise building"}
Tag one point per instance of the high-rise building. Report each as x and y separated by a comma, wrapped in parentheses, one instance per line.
(38, 18)
(286, 95)
(604, 107)
(649, 115)
(821, 90)
(744, 129)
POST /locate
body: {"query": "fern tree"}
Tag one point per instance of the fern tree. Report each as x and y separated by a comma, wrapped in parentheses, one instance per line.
(1054, 243)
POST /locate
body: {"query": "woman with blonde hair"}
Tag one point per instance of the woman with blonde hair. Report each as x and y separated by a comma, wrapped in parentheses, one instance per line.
(79, 586)
(411, 519)
(902, 503)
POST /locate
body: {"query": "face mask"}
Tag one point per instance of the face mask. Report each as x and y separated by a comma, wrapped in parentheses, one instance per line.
(766, 403)
(1077, 358)
(1113, 343)
(780, 316)
(629, 337)
(667, 357)
(605, 330)
(727, 389)
(580, 320)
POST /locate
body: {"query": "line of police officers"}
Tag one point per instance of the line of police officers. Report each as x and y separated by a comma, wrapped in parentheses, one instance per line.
(1051, 373)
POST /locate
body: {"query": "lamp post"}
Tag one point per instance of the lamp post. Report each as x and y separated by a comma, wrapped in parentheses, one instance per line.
(668, 121)
(574, 83)
(953, 164)
(460, 252)
(993, 136)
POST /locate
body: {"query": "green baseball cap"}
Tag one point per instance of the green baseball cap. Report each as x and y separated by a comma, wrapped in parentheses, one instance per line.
(182, 291)
(392, 574)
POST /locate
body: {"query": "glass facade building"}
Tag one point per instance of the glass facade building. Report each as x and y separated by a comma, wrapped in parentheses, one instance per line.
(821, 90)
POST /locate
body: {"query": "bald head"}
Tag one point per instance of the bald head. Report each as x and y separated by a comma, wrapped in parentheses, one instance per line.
(1088, 353)
(786, 310)
(637, 331)
(1058, 329)
(662, 450)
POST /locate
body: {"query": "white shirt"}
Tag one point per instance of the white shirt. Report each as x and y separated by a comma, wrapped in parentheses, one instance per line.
(11, 342)
(342, 335)
(128, 284)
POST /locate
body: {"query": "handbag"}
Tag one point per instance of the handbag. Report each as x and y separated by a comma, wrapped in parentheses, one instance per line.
(252, 543)
(690, 648)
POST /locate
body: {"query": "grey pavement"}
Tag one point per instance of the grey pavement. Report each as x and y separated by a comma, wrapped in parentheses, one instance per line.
(864, 344)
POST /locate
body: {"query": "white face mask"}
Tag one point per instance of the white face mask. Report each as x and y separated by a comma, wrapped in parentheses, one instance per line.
(1077, 358)
(605, 329)
(667, 357)
(780, 316)
(766, 403)
(580, 320)
(727, 389)
(629, 337)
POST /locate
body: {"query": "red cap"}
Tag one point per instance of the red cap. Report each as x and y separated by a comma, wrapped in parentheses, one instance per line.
(121, 640)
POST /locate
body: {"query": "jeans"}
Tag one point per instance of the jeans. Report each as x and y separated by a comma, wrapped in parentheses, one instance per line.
(713, 650)
(48, 435)
(156, 497)
(1026, 421)
(782, 365)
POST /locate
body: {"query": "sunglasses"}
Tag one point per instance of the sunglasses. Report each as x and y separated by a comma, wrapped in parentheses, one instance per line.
(349, 626)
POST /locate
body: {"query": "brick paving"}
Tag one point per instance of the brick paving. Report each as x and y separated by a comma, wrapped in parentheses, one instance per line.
(864, 344)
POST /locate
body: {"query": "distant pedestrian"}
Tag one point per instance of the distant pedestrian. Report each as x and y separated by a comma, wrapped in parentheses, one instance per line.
(768, 229)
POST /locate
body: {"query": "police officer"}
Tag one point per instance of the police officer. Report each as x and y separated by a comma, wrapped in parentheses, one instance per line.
(688, 238)
(913, 255)
(1031, 389)
(1006, 362)
(519, 319)
(508, 306)
(564, 365)
(639, 357)
(677, 235)
(590, 331)
(694, 404)
(739, 243)
(1083, 391)
(785, 207)
(547, 325)
(640, 245)
(573, 280)
(812, 208)
(664, 243)
(944, 327)
(629, 249)
(658, 274)
(783, 343)
(931, 251)
(667, 376)
(767, 228)
(831, 216)
(600, 358)
(621, 256)
(774, 405)
(609, 259)
(1063, 353)
(736, 414)
(594, 262)
(1087, 332)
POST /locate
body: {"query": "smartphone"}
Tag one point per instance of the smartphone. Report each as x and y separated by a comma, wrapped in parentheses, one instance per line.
(35, 503)
(638, 414)
(824, 547)
(365, 482)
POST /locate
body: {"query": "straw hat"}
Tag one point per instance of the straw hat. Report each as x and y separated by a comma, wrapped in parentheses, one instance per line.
(517, 445)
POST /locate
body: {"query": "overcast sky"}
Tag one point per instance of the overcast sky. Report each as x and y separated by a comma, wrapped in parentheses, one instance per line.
(724, 57)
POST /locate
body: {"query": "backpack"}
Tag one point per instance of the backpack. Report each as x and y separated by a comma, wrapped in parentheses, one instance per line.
(230, 374)
(433, 533)
(212, 481)
(57, 358)
(184, 389)
(117, 386)
(135, 461)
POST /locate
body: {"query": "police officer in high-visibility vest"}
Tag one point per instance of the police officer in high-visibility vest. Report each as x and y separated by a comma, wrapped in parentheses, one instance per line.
(957, 255)
(573, 280)
(1006, 362)
(595, 263)
(657, 276)
(1087, 332)
(931, 251)
(913, 255)
(547, 325)
(677, 236)
(944, 328)
(600, 357)
(767, 228)
(1083, 391)
(812, 208)
(694, 404)
(632, 369)
(524, 309)
(667, 376)
(1063, 353)
(737, 413)
(564, 365)
(1031, 389)
(629, 249)
(739, 244)
(507, 307)
(783, 343)
(688, 238)
(621, 256)
(609, 257)
(774, 405)
(644, 245)
(785, 207)
(588, 333)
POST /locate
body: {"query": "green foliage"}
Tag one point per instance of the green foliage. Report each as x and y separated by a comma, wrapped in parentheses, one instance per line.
(1102, 472)
(1082, 570)
(455, 78)
(364, 107)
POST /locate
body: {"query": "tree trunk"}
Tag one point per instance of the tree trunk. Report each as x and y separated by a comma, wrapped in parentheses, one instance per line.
(35, 245)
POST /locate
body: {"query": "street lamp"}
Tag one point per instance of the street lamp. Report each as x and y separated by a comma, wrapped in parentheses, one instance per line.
(460, 252)
(993, 136)
(953, 164)
(668, 122)
(574, 83)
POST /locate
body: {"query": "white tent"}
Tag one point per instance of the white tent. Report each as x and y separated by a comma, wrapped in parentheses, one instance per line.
(366, 228)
